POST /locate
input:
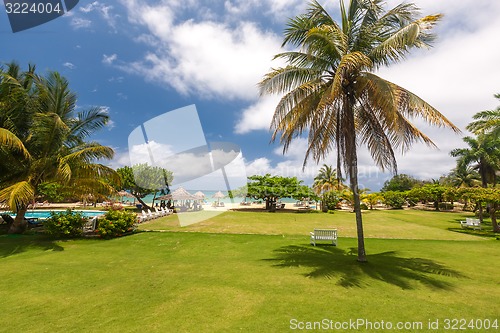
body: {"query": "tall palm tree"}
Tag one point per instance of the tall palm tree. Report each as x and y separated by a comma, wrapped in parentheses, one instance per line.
(332, 95)
(483, 155)
(49, 145)
(486, 122)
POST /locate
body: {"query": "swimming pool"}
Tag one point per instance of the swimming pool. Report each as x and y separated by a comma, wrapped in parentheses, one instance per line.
(44, 214)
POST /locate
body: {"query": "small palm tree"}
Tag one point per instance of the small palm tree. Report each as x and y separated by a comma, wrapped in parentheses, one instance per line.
(332, 95)
(326, 180)
(464, 175)
(48, 143)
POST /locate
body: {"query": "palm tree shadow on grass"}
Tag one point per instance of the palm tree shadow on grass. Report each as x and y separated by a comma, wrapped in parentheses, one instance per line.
(334, 263)
(15, 244)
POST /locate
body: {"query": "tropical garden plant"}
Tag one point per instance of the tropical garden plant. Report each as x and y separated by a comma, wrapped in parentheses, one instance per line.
(43, 139)
(331, 94)
(116, 223)
(65, 224)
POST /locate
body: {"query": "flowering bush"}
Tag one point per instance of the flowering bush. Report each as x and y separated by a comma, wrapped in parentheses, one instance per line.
(66, 224)
(116, 223)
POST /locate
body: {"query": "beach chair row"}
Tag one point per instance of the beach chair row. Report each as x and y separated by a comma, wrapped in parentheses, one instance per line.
(149, 215)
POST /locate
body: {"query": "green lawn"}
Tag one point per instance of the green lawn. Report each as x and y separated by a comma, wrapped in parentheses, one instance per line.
(206, 281)
(408, 224)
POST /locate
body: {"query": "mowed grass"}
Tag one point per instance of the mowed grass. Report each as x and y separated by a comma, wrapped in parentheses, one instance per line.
(399, 224)
(221, 282)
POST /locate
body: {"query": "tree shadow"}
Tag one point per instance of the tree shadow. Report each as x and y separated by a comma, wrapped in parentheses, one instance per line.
(334, 263)
(15, 244)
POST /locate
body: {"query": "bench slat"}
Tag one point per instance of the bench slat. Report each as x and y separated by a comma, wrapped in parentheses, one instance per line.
(324, 234)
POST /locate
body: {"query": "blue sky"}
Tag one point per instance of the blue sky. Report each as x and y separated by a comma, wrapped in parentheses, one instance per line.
(140, 59)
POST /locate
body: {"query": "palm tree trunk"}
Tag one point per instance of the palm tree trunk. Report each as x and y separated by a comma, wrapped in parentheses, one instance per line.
(19, 225)
(353, 176)
(493, 211)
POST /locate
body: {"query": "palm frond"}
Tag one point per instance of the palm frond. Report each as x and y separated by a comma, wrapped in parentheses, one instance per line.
(88, 121)
(10, 141)
(17, 195)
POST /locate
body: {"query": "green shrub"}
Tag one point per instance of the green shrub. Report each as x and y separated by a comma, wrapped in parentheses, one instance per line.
(65, 224)
(363, 206)
(395, 200)
(115, 223)
(331, 211)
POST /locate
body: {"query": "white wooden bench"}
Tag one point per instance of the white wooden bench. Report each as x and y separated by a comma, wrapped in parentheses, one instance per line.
(471, 223)
(324, 235)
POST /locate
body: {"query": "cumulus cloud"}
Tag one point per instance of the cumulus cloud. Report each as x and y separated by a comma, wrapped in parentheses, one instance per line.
(257, 116)
(200, 56)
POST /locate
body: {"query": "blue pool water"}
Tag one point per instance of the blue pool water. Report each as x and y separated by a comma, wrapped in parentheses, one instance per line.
(43, 214)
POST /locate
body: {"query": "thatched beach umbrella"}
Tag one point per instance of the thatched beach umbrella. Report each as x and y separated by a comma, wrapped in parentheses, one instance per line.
(199, 195)
(219, 195)
(164, 197)
(126, 194)
(182, 194)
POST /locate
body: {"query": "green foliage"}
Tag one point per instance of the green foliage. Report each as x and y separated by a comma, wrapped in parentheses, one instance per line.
(400, 183)
(65, 224)
(331, 199)
(115, 223)
(51, 192)
(372, 199)
(44, 138)
(394, 199)
(143, 179)
(483, 155)
(271, 188)
(429, 193)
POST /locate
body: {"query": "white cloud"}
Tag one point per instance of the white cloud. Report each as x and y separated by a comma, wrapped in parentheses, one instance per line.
(103, 10)
(257, 116)
(202, 57)
(69, 65)
(108, 60)
(224, 54)
(79, 23)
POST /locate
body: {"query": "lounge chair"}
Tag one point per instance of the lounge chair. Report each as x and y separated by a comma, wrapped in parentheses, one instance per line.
(151, 214)
(159, 212)
(90, 225)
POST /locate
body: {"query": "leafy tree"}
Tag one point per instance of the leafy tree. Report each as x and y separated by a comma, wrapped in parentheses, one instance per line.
(44, 139)
(400, 183)
(142, 180)
(480, 195)
(429, 192)
(394, 199)
(332, 94)
(372, 199)
(271, 188)
(52, 192)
